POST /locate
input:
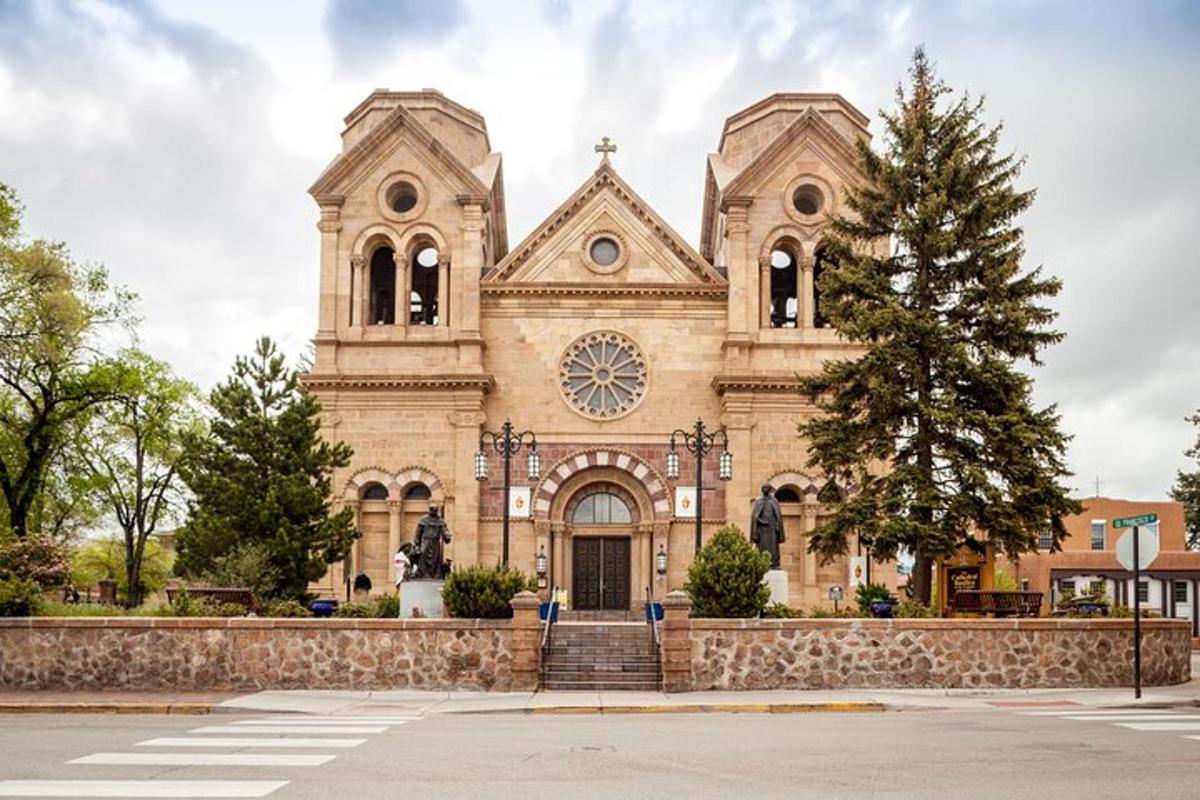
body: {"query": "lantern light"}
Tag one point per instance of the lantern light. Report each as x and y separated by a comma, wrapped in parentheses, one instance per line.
(541, 562)
(672, 465)
(534, 464)
(481, 465)
(660, 560)
(725, 465)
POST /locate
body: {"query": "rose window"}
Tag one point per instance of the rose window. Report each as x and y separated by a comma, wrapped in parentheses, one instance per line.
(603, 375)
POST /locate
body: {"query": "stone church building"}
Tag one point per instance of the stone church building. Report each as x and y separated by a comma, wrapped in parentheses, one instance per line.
(602, 332)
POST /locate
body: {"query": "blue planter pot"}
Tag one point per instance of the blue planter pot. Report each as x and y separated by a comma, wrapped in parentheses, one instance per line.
(883, 609)
(323, 608)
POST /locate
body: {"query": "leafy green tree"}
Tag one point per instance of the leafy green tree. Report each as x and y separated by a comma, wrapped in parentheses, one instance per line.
(132, 448)
(1187, 490)
(262, 476)
(932, 432)
(51, 372)
(105, 560)
(483, 592)
(726, 577)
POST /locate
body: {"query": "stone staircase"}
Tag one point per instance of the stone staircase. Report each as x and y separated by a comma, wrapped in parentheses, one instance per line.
(601, 656)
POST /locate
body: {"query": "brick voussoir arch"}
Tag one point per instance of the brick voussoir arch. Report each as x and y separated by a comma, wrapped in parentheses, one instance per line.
(588, 458)
(396, 482)
(805, 484)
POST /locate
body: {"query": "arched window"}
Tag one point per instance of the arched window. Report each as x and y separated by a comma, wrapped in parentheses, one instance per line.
(823, 260)
(787, 494)
(417, 491)
(784, 297)
(374, 491)
(425, 306)
(602, 508)
(383, 287)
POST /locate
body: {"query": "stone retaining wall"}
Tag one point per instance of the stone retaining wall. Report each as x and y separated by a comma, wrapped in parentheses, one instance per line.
(185, 654)
(700, 654)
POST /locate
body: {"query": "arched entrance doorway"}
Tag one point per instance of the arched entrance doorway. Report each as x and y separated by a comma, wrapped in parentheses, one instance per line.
(601, 521)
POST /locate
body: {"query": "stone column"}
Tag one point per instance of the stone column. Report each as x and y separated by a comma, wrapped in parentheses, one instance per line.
(806, 300)
(329, 226)
(526, 643)
(394, 519)
(464, 514)
(359, 304)
(443, 299)
(764, 291)
(740, 490)
(466, 278)
(402, 300)
(743, 284)
(676, 643)
(809, 521)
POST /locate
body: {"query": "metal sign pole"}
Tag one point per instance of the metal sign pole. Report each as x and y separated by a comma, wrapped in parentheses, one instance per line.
(1137, 618)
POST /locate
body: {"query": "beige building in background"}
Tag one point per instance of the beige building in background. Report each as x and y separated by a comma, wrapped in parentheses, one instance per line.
(602, 332)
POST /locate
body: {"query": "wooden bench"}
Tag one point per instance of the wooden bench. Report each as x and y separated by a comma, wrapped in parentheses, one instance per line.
(242, 597)
(997, 604)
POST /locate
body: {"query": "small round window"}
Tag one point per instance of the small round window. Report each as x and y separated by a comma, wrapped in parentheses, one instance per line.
(605, 251)
(807, 199)
(402, 197)
(428, 257)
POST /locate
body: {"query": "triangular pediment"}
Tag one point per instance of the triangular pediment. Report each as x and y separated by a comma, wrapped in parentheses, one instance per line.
(557, 251)
(398, 126)
(810, 132)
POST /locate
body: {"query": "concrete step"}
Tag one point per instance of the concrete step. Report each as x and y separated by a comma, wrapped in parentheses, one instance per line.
(601, 686)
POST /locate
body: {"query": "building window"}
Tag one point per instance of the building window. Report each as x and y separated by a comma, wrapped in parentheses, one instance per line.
(1045, 540)
(1066, 587)
(375, 491)
(787, 494)
(1143, 592)
(808, 199)
(383, 287)
(1098, 534)
(1097, 587)
(1180, 590)
(602, 508)
(784, 289)
(603, 375)
(424, 305)
(417, 491)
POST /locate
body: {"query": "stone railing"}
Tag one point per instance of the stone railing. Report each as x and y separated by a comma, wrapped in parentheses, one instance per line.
(147, 653)
(734, 654)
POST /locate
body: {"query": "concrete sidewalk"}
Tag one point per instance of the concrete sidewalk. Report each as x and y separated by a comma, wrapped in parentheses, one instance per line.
(420, 703)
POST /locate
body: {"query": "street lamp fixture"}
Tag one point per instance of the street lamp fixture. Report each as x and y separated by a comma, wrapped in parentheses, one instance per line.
(699, 442)
(660, 560)
(867, 540)
(540, 566)
(507, 443)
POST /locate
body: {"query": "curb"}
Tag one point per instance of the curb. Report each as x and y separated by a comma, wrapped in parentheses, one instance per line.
(711, 708)
(105, 708)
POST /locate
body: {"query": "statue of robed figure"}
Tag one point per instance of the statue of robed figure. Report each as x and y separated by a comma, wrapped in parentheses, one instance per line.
(766, 524)
(428, 551)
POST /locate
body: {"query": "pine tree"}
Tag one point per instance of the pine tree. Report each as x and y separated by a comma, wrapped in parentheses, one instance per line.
(1187, 491)
(262, 476)
(931, 434)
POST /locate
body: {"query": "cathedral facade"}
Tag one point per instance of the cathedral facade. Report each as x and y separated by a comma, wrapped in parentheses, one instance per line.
(599, 335)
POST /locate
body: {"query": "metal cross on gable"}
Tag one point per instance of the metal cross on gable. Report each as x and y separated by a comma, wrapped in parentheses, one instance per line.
(605, 147)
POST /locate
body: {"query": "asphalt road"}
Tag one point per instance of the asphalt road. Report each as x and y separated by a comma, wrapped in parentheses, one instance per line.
(926, 754)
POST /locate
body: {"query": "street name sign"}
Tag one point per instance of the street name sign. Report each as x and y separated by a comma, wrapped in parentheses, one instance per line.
(1129, 522)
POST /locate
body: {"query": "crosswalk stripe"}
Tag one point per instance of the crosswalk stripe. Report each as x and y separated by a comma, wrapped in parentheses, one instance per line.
(326, 721)
(241, 729)
(153, 788)
(205, 759)
(1137, 718)
(1160, 726)
(274, 741)
(1097, 712)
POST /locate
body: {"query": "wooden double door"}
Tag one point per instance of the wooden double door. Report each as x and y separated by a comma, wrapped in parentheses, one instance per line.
(600, 573)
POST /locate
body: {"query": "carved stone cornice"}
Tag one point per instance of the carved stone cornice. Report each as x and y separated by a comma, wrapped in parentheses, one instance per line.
(715, 291)
(357, 261)
(483, 383)
(331, 200)
(763, 384)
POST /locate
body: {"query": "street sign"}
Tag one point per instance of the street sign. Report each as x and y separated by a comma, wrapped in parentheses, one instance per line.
(1148, 547)
(1129, 522)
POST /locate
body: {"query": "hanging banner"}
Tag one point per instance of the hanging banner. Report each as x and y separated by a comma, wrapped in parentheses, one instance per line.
(685, 501)
(858, 570)
(518, 502)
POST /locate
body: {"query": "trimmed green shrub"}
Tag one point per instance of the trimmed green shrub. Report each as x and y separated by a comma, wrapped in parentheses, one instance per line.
(911, 609)
(285, 608)
(355, 611)
(726, 578)
(841, 613)
(388, 606)
(781, 611)
(868, 593)
(482, 592)
(19, 597)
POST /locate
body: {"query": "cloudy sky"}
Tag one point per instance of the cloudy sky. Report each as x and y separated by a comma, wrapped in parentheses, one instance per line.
(173, 141)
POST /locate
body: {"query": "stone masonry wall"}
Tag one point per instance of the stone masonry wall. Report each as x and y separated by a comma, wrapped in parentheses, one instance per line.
(201, 653)
(922, 653)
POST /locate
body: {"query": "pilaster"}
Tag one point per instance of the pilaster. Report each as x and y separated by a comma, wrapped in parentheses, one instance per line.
(807, 302)
(742, 280)
(358, 293)
(464, 515)
(330, 226)
(394, 533)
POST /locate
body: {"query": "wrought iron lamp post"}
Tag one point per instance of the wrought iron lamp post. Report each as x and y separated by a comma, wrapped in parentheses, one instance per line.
(508, 444)
(699, 442)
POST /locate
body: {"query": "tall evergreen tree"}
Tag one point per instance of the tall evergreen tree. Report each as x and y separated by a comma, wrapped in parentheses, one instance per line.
(932, 433)
(262, 478)
(1187, 490)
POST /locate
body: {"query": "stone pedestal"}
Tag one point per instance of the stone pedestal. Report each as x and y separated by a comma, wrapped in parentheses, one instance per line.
(777, 580)
(422, 598)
